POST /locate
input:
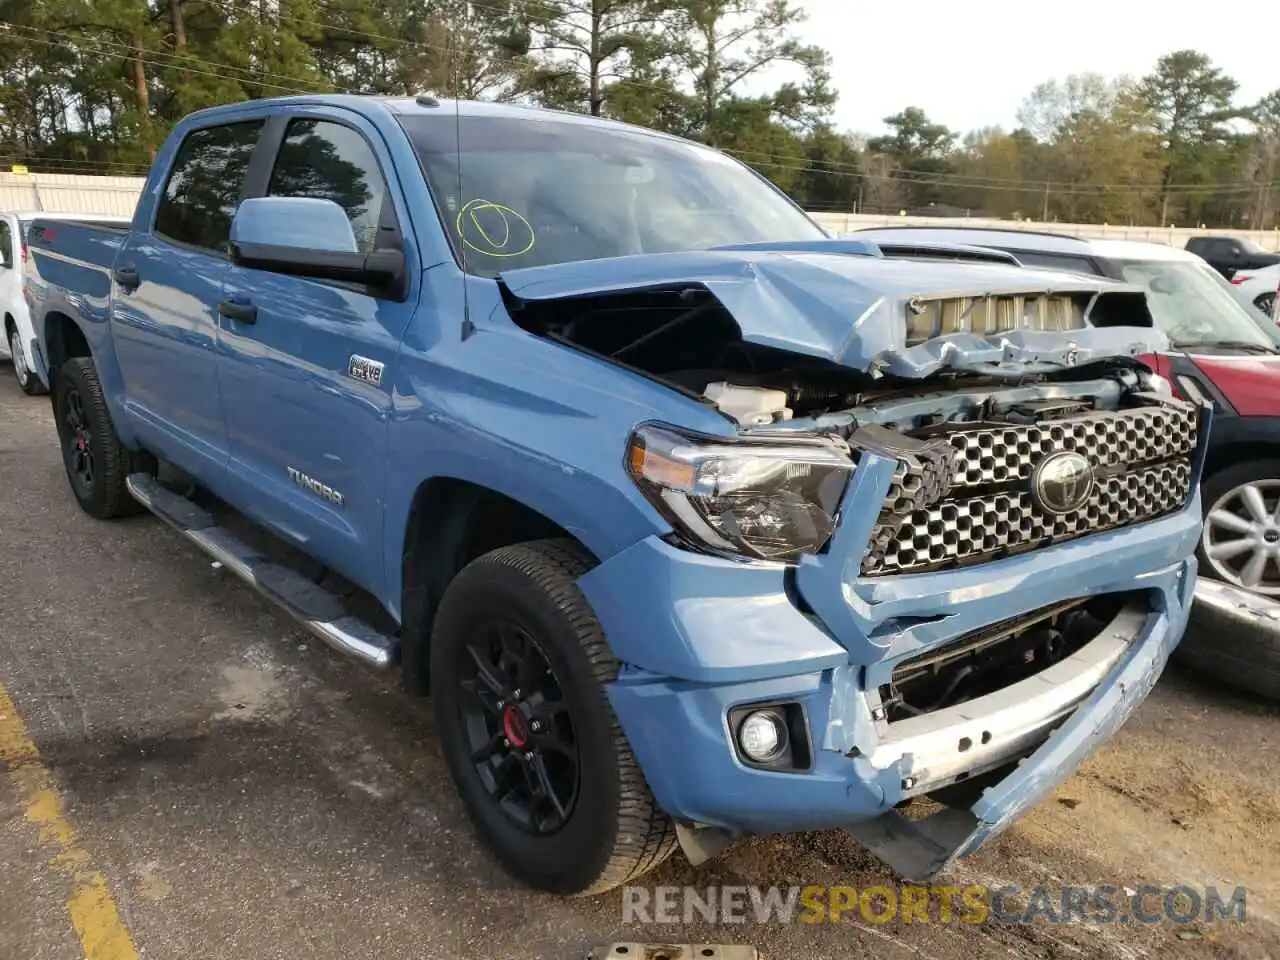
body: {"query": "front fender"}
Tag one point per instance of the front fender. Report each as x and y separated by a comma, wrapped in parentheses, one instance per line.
(529, 419)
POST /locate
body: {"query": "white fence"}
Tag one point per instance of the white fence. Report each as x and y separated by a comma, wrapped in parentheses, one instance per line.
(69, 193)
(64, 193)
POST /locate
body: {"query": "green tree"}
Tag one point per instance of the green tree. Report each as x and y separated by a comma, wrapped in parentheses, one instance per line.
(919, 154)
(589, 46)
(833, 178)
(1189, 101)
(1262, 163)
(729, 43)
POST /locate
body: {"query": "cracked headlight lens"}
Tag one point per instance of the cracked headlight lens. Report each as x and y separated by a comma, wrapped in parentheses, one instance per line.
(760, 498)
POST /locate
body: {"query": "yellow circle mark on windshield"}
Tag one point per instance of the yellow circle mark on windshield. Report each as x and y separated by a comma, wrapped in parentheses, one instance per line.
(493, 229)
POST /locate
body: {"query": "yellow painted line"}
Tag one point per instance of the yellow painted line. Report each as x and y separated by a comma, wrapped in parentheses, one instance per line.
(93, 912)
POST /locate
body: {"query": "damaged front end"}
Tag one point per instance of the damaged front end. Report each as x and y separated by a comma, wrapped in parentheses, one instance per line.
(960, 501)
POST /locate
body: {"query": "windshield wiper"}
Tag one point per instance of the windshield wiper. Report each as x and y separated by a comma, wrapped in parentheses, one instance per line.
(1228, 344)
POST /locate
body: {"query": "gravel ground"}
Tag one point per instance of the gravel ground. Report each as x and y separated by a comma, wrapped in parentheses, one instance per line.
(247, 793)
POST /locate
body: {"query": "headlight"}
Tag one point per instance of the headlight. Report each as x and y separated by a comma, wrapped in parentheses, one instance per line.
(764, 499)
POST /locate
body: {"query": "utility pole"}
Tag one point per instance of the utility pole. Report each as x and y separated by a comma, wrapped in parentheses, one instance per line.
(1044, 218)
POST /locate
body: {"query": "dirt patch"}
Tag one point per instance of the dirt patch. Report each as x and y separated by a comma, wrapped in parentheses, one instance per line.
(1146, 809)
(252, 689)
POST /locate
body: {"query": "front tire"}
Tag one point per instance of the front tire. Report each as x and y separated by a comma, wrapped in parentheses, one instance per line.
(1266, 303)
(519, 665)
(27, 380)
(97, 464)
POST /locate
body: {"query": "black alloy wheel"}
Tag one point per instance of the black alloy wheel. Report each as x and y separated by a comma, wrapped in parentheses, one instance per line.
(519, 729)
(519, 672)
(77, 443)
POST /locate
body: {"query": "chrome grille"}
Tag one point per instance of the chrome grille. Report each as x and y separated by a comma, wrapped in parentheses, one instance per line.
(1142, 463)
(1005, 454)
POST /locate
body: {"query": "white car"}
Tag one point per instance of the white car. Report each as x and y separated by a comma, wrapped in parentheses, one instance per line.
(18, 335)
(1259, 287)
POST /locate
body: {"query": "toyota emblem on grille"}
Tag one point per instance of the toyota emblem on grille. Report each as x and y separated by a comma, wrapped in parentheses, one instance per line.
(1062, 482)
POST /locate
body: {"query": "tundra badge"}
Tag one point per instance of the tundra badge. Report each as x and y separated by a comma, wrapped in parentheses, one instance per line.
(316, 487)
(365, 370)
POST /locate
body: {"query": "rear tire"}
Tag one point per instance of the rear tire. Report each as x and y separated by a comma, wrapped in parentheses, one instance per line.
(97, 464)
(599, 827)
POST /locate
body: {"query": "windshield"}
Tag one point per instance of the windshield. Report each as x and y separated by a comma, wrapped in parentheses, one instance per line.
(1194, 306)
(1248, 246)
(538, 191)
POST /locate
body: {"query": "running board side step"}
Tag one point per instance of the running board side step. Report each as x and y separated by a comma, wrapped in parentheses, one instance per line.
(319, 611)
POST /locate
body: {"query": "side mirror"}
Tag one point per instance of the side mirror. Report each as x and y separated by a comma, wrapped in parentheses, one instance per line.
(308, 237)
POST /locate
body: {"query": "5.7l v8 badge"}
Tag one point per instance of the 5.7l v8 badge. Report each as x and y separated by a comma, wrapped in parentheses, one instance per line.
(365, 370)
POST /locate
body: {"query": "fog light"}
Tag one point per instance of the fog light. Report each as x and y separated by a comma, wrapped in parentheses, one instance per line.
(763, 736)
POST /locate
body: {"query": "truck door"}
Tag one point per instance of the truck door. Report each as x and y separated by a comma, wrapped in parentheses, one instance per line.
(306, 366)
(167, 284)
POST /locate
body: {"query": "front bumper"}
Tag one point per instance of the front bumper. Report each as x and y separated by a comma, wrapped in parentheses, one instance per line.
(701, 635)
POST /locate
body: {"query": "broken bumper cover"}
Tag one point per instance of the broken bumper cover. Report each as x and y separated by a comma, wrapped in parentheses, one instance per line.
(1230, 607)
(701, 636)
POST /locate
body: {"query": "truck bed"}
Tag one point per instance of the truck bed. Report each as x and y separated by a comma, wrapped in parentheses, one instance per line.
(72, 258)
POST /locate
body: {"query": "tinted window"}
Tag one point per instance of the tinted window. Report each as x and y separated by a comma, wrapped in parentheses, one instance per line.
(6, 245)
(204, 188)
(527, 192)
(1056, 261)
(328, 161)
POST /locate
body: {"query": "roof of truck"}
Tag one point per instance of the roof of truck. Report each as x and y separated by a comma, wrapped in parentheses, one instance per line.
(423, 105)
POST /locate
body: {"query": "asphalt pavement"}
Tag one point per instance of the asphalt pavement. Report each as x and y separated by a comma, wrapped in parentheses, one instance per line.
(183, 774)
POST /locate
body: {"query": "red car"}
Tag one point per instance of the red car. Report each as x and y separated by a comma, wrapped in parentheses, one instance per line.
(1227, 353)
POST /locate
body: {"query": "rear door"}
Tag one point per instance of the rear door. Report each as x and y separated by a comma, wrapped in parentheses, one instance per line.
(167, 283)
(306, 421)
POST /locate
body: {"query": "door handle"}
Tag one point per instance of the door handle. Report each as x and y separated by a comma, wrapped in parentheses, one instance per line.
(242, 311)
(127, 277)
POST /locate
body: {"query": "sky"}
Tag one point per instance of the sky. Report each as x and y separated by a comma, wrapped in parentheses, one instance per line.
(970, 64)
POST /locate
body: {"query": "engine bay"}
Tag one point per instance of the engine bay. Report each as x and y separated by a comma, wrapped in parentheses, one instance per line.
(686, 339)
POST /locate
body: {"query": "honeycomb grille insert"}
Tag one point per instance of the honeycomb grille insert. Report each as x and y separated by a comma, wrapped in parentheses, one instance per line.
(1009, 454)
(1142, 464)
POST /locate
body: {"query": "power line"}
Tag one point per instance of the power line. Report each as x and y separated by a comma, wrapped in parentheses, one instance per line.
(774, 161)
(154, 63)
(908, 175)
(133, 53)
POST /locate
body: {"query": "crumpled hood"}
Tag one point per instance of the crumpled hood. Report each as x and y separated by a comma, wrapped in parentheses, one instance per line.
(842, 301)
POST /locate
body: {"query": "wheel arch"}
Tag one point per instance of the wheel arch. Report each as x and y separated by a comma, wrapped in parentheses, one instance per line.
(451, 522)
(1226, 455)
(63, 341)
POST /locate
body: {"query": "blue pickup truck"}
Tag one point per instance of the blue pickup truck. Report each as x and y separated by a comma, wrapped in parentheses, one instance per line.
(692, 521)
